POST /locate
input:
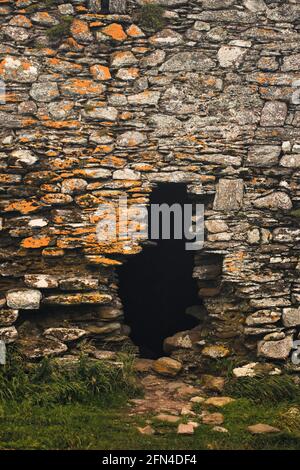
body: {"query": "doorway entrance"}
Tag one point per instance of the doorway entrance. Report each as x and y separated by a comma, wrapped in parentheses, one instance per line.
(156, 286)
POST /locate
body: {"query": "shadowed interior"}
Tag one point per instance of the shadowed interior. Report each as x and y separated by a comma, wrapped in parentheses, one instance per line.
(156, 286)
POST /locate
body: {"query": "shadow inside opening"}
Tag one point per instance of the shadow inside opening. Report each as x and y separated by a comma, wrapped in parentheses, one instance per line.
(156, 286)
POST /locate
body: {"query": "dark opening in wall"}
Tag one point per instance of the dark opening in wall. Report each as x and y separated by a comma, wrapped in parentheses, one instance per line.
(105, 7)
(156, 286)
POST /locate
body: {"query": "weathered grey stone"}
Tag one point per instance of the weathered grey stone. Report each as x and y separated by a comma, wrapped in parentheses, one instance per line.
(121, 59)
(262, 317)
(229, 195)
(67, 8)
(153, 59)
(229, 56)
(274, 201)
(131, 139)
(254, 369)
(8, 316)
(24, 156)
(18, 70)
(216, 226)
(261, 428)
(25, 299)
(214, 419)
(150, 98)
(117, 6)
(95, 6)
(253, 236)
(65, 335)
(78, 299)
(291, 317)
(167, 366)
(290, 63)
(166, 37)
(275, 349)
(217, 4)
(188, 61)
(126, 174)
(44, 92)
(105, 113)
(41, 281)
(274, 114)
(73, 186)
(77, 283)
(215, 351)
(255, 5)
(37, 348)
(16, 34)
(263, 155)
(290, 161)
(8, 334)
(286, 234)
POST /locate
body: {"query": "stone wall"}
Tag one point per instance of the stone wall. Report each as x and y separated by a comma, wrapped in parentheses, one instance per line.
(98, 107)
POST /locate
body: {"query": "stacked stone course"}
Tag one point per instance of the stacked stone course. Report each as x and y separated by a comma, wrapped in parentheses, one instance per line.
(111, 109)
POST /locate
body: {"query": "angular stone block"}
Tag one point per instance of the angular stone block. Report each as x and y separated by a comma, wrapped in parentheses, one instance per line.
(118, 6)
(229, 195)
(24, 299)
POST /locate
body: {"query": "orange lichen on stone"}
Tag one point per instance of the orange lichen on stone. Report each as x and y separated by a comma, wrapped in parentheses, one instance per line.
(53, 252)
(63, 65)
(115, 31)
(21, 20)
(22, 206)
(134, 31)
(100, 72)
(103, 261)
(234, 263)
(126, 116)
(35, 242)
(73, 44)
(62, 124)
(96, 24)
(79, 27)
(81, 86)
(103, 149)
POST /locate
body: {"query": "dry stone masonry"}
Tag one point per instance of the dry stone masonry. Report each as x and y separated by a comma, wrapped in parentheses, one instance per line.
(97, 106)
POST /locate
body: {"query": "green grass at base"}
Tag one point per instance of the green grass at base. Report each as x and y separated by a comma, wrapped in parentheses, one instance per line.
(83, 426)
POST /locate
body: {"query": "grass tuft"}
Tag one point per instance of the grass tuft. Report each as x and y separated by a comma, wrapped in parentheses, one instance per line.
(151, 16)
(272, 389)
(60, 30)
(48, 383)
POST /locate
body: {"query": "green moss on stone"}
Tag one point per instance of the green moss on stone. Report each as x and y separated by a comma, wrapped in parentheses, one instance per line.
(151, 16)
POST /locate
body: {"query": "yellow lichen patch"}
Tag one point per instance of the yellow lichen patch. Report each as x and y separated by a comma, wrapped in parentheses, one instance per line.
(134, 31)
(35, 242)
(115, 31)
(22, 206)
(100, 72)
